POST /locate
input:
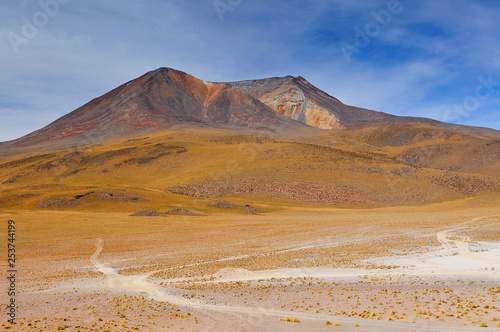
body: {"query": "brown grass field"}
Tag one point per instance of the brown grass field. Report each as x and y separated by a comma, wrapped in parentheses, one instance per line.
(350, 241)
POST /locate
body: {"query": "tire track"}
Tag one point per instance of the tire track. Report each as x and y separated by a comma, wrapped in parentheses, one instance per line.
(463, 246)
(140, 284)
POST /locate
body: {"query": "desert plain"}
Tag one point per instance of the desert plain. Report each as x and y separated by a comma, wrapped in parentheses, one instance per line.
(433, 267)
(174, 204)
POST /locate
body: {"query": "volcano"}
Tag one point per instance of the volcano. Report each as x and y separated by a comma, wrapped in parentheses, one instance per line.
(168, 99)
(160, 99)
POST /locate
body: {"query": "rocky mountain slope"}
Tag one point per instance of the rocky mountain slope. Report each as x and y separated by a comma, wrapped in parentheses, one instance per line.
(155, 101)
(298, 99)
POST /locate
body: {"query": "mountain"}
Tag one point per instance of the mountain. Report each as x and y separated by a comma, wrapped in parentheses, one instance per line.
(160, 99)
(250, 143)
(167, 98)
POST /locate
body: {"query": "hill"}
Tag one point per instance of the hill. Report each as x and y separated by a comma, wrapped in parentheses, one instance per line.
(197, 168)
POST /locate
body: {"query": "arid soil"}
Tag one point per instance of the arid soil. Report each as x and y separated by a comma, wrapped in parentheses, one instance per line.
(223, 230)
(429, 268)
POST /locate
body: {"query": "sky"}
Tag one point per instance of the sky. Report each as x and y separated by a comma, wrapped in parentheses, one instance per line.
(427, 58)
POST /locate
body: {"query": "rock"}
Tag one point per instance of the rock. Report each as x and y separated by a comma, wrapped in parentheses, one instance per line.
(148, 213)
(182, 212)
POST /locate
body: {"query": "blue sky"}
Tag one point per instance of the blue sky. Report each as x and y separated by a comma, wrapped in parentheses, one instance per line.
(437, 59)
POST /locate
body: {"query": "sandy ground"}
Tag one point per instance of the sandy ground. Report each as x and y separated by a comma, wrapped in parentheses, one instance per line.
(433, 277)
